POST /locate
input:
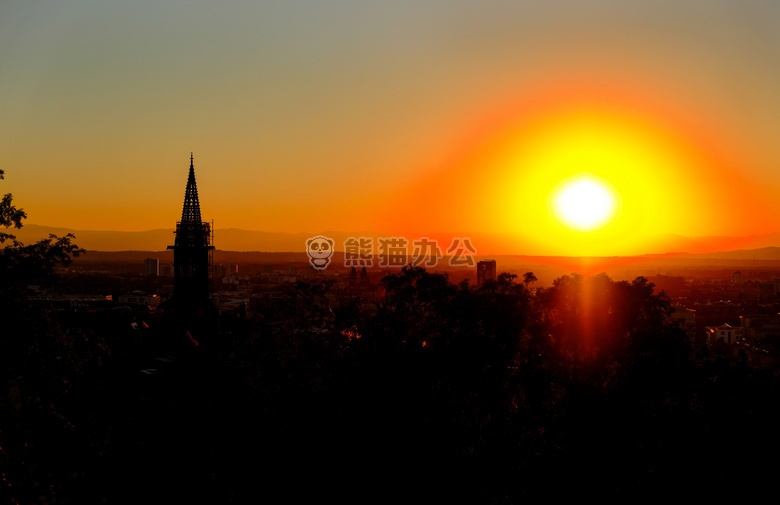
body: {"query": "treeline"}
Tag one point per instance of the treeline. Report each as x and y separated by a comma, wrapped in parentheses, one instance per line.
(506, 393)
(439, 392)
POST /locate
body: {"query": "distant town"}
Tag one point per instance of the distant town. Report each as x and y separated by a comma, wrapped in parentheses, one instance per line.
(740, 308)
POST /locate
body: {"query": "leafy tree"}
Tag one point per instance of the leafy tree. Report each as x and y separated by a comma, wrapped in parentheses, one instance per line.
(30, 263)
(9, 215)
(38, 360)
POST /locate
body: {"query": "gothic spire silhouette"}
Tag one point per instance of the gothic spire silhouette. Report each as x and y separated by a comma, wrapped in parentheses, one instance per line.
(191, 250)
(190, 214)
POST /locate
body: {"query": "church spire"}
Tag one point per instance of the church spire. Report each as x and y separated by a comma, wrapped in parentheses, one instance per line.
(191, 249)
(191, 212)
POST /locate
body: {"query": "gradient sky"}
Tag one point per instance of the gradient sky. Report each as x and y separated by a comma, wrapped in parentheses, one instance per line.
(407, 117)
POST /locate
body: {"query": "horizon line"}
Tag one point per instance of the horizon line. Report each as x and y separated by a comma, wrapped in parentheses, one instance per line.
(375, 232)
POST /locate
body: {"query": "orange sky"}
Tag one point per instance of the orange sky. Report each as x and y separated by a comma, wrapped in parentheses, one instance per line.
(674, 176)
(411, 118)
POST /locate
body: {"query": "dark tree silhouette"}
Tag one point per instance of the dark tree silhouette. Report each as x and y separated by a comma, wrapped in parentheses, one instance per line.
(38, 362)
(9, 214)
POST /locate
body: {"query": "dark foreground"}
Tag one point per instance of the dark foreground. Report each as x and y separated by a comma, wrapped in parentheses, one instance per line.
(442, 393)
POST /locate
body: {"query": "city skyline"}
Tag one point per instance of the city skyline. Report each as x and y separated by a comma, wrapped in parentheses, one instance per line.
(407, 119)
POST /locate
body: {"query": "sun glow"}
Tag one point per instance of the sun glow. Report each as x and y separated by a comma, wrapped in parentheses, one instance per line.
(589, 181)
(584, 203)
(580, 179)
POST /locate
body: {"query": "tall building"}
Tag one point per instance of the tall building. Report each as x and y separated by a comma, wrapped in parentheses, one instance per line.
(151, 267)
(191, 252)
(363, 278)
(486, 271)
(353, 277)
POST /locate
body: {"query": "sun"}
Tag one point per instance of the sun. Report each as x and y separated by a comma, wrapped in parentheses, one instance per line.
(584, 203)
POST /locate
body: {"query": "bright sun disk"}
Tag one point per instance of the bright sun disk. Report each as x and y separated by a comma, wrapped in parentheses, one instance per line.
(584, 203)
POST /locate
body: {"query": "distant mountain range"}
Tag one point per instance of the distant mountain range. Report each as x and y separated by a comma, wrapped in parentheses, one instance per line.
(761, 246)
(758, 247)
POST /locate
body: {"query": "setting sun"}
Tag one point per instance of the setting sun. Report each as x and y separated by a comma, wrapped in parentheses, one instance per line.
(584, 203)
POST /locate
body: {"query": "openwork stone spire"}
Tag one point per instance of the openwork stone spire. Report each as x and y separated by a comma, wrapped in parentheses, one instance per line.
(191, 231)
(191, 249)
(191, 211)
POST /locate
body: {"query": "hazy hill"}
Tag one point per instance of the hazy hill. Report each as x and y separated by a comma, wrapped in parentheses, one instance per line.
(233, 239)
(764, 253)
(716, 244)
(759, 247)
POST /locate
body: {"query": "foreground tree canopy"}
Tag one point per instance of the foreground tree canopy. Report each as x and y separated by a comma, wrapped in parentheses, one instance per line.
(34, 263)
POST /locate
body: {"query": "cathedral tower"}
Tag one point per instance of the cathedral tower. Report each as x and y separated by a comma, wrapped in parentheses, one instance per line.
(191, 252)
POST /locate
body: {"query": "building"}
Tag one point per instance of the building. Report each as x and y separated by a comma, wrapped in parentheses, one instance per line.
(151, 267)
(139, 299)
(768, 289)
(191, 253)
(725, 332)
(353, 277)
(685, 317)
(486, 271)
(757, 328)
(359, 280)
